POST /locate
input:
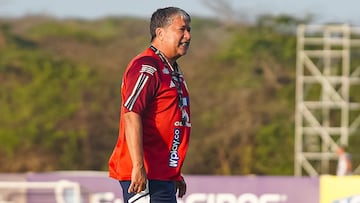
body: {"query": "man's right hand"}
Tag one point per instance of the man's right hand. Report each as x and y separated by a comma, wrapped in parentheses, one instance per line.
(138, 180)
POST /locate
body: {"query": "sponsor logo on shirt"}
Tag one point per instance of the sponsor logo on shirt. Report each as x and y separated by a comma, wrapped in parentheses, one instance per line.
(174, 155)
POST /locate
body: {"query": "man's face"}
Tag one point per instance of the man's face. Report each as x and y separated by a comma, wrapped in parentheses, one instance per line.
(339, 151)
(177, 38)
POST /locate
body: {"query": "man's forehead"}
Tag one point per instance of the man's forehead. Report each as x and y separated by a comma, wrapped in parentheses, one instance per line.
(179, 19)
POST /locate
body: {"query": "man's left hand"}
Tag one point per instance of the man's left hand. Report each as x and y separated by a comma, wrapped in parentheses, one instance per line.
(180, 187)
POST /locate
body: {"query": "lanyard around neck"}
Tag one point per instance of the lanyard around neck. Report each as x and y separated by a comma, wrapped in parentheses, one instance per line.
(164, 60)
(175, 74)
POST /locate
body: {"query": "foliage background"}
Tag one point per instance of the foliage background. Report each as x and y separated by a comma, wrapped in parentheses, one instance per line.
(60, 93)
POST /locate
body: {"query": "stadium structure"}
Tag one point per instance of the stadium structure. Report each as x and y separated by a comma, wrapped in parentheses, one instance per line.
(326, 80)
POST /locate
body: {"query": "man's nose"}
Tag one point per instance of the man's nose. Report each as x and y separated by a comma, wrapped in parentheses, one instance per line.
(187, 35)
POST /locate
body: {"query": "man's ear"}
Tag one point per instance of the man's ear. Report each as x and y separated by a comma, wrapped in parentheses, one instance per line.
(159, 33)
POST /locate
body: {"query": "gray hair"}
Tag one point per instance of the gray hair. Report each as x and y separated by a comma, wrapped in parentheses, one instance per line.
(163, 17)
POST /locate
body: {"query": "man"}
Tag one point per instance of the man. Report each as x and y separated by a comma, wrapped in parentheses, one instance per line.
(344, 166)
(155, 114)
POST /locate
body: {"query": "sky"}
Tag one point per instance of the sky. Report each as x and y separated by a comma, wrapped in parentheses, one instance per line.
(325, 11)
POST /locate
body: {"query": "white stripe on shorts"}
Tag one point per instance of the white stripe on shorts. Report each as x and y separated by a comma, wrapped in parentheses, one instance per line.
(142, 197)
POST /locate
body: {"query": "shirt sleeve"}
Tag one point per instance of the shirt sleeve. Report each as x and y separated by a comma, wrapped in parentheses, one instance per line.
(141, 84)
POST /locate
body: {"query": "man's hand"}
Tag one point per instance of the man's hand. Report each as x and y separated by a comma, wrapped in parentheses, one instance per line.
(180, 187)
(138, 180)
